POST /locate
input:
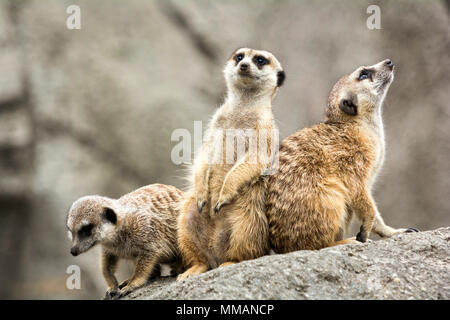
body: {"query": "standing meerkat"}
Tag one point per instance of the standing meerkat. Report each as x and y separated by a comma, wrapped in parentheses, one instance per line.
(140, 226)
(223, 219)
(326, 172)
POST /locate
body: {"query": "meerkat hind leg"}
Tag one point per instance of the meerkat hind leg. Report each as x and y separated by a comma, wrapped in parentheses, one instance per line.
(228, 263)
(385, 231)
(192, 271)
(346, 241)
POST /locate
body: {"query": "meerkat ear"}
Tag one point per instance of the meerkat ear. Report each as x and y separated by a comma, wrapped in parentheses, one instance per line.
(110, 215)
(281, 76)
(349, 104)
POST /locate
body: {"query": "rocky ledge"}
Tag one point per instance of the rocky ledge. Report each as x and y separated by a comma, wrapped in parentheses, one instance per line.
(407, 266)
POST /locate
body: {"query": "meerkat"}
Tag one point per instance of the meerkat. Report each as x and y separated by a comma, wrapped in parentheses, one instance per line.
(326, 172)
(139, 226)
(222, 220)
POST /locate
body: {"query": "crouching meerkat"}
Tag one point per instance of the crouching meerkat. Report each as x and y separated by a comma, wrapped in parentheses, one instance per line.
(223, 219)
(326, 172)
(140, 226)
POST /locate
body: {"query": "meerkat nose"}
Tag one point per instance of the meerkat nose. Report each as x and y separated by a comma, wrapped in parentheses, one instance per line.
(389, 63)
(74, 252)
(243, 66)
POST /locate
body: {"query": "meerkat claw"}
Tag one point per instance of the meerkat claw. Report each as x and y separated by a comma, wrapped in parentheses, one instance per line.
(219, 205)
(200, 205)
(409, 230)
(124, 284)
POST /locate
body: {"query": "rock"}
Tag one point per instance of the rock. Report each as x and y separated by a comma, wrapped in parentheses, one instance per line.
(407, 266)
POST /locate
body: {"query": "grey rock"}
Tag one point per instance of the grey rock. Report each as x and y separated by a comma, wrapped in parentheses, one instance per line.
(407, 266)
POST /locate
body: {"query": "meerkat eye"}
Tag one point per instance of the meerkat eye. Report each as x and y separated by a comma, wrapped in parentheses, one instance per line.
(238, 57)
(365, 74)
(86, 230)
(259, 60)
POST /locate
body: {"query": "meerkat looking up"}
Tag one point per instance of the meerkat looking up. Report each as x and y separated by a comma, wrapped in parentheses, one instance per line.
(140, 226)
(223, 218)
(326, 172)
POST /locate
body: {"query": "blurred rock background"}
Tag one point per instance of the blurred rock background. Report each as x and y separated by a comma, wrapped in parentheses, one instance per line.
(91, 111)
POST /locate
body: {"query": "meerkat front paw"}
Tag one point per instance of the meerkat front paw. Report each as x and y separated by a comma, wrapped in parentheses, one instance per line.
(201, 197)
(224, 199)
(200, 204)
(112, 294)
(219, 205)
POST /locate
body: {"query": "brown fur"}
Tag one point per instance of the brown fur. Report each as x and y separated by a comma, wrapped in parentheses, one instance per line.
(326, 172)
(144, 232)
(223, 219)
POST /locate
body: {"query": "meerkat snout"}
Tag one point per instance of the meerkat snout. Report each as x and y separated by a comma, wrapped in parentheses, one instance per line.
(389, 63)
(380, 75)
(243, 67)
(74, 251)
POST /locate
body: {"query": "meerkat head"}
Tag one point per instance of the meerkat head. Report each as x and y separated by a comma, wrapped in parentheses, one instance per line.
(253, 71)
(91, 220)
(360, 94)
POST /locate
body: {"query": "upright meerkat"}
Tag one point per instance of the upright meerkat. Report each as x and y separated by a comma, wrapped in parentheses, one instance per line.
(326, 172)
(223, 219)
(140, 226)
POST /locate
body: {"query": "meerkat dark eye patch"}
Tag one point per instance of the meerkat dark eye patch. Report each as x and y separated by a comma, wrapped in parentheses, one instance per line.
(365, 74)
(281, 76)
(110, 215)
(238, 57)
(349, 105)
(86, 231)
(260, 61)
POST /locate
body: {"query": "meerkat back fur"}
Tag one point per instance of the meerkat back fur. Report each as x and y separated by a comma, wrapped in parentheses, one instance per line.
(140, 226)
(326, 172)
(223, 219)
